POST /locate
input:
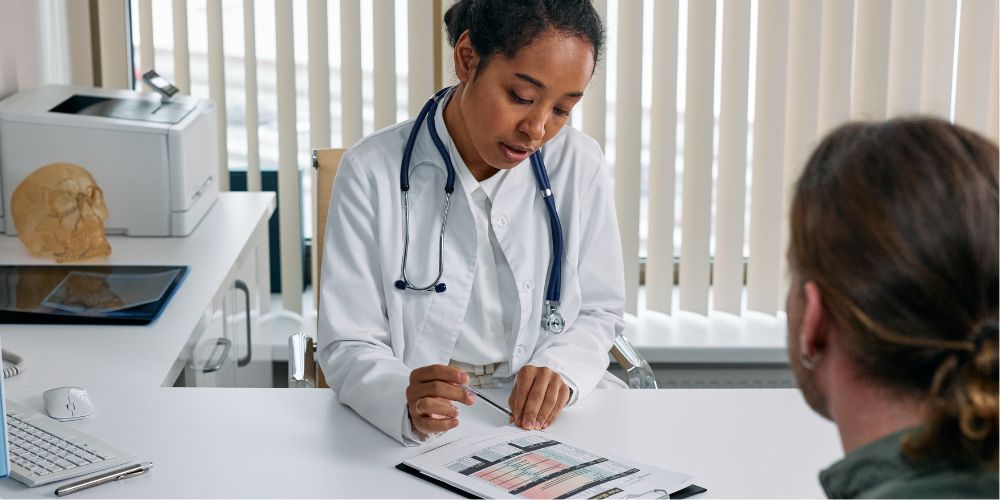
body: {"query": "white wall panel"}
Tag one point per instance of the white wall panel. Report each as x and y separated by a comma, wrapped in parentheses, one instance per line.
(871, 59)
(938, 58)
(907, 29)
(422, 30)
(250, 95)
(662, 158)
(384, 17)
(595, 98)
(835, 64)
(768, 157)
(350, 72)
(147, 58)
(727, 275)
(288, 169)
(182, 56)
(217, 86)
(628, 121)
(992, 129)
(696, 210)
(975, 45)
(801, 109)
(114, 46)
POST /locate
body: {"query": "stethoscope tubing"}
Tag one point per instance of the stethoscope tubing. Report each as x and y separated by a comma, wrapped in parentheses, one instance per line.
(552, 320)
(555, 272)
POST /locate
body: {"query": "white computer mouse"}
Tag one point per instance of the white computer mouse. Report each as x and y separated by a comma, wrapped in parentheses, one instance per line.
(68, 403)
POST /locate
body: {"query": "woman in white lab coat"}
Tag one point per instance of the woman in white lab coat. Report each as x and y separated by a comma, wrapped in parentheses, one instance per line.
(396, 349)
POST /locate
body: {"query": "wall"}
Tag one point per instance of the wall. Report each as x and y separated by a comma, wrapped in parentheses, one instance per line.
(20, 46)
(44, 41)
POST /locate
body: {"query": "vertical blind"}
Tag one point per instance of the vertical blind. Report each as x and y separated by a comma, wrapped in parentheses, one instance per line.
(742, 90)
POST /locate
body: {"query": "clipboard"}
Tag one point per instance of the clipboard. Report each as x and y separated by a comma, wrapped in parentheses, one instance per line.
(689, 491)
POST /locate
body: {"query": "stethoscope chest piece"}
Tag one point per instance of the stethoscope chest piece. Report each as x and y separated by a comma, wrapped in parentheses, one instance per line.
(552, 320)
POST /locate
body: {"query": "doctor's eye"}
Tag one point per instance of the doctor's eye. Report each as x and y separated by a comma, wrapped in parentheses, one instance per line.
(518, 99)
(561, 112)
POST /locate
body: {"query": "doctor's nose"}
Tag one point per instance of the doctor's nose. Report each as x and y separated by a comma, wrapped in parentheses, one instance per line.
(533, 126)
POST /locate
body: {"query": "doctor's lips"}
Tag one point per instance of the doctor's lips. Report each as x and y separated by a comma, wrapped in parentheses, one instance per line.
(515, 154)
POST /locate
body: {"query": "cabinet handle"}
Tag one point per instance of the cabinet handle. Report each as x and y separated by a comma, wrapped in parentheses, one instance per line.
(242, 286)
(217, 365)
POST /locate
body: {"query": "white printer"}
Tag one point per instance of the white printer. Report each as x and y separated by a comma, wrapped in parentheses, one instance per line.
(156, 162)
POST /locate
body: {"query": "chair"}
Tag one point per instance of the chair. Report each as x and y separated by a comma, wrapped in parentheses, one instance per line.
(302, 368)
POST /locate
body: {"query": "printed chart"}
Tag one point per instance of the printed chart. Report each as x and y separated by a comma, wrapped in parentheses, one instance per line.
(535, 466)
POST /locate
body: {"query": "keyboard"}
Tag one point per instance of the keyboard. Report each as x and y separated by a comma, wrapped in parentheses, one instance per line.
(43, 450)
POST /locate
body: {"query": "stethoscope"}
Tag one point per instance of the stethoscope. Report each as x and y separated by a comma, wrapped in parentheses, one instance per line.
(552, 320)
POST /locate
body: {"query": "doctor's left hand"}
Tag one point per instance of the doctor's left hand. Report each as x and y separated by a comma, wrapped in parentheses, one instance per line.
(539, 395)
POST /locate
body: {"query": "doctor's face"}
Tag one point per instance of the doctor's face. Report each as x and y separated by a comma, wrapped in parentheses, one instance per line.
(513, 106)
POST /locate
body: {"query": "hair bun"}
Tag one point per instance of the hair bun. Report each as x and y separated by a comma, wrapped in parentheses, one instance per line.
(983, 331)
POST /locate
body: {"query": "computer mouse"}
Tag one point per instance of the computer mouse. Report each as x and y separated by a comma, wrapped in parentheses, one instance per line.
(68, 403)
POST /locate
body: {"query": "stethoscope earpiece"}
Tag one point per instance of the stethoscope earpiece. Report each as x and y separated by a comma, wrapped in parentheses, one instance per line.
(400, 284)
(440, 287)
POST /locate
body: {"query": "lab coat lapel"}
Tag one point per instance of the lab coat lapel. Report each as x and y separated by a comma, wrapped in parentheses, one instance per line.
(442, 323)
(517, 199)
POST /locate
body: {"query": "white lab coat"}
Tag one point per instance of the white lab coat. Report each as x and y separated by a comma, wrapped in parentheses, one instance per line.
(371, 335)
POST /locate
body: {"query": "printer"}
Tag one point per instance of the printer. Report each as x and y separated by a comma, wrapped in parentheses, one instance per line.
(155, 161)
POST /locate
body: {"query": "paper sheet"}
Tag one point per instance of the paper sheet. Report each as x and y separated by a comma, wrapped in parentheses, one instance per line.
(514, 463)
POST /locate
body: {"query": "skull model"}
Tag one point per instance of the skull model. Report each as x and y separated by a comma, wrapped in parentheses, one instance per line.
(59, 212)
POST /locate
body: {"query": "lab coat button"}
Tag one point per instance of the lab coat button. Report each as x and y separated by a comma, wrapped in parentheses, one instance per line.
(528, 285)
(519, 350)
(503, 220)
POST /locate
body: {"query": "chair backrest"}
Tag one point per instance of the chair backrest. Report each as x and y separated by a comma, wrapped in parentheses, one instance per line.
(326, 162)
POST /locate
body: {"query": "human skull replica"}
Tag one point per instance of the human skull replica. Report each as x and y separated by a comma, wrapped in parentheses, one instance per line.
(59, 212)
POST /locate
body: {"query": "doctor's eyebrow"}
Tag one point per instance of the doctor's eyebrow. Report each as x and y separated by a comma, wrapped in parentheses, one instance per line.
(541, 85)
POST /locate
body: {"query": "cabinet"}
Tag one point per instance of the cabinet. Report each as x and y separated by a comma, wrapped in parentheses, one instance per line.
(228, 352)
(205, 324)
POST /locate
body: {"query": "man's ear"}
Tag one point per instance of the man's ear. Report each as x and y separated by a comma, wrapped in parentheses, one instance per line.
(814, 336)
(466, 59)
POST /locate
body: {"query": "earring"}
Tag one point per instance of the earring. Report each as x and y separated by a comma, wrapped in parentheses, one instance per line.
(806, 361)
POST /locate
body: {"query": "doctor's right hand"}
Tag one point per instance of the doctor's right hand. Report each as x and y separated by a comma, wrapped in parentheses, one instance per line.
(429, 396)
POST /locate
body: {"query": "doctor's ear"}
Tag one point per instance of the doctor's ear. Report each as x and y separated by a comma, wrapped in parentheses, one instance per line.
(466, 58)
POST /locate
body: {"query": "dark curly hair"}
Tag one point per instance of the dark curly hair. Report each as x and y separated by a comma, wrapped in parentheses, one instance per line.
(505, 27)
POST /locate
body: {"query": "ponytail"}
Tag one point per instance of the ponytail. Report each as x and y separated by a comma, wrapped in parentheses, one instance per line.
(963, 406)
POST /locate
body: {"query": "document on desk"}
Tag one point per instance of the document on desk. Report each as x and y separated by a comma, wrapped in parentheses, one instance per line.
(513, 463)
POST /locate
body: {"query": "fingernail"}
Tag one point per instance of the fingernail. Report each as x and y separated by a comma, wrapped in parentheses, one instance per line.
(545, 425)
(535, 425)
(464, 377)
(454, 423)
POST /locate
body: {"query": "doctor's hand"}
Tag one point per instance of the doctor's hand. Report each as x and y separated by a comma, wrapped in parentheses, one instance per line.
(539, 395)
(429, 396)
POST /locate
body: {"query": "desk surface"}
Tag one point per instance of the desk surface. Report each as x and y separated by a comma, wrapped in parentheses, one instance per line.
(301, 443)
(141, 356)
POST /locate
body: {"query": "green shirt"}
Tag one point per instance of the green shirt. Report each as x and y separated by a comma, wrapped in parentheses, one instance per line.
(879, 470)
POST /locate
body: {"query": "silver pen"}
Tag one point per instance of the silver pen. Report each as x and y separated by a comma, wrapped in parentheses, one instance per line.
(105, 477)
(488, 400)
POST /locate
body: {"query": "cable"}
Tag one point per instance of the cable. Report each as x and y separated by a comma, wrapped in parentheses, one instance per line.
(16, 363)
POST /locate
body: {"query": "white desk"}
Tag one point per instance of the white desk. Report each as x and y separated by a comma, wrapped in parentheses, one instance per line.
(142, 356)
(301, 443)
